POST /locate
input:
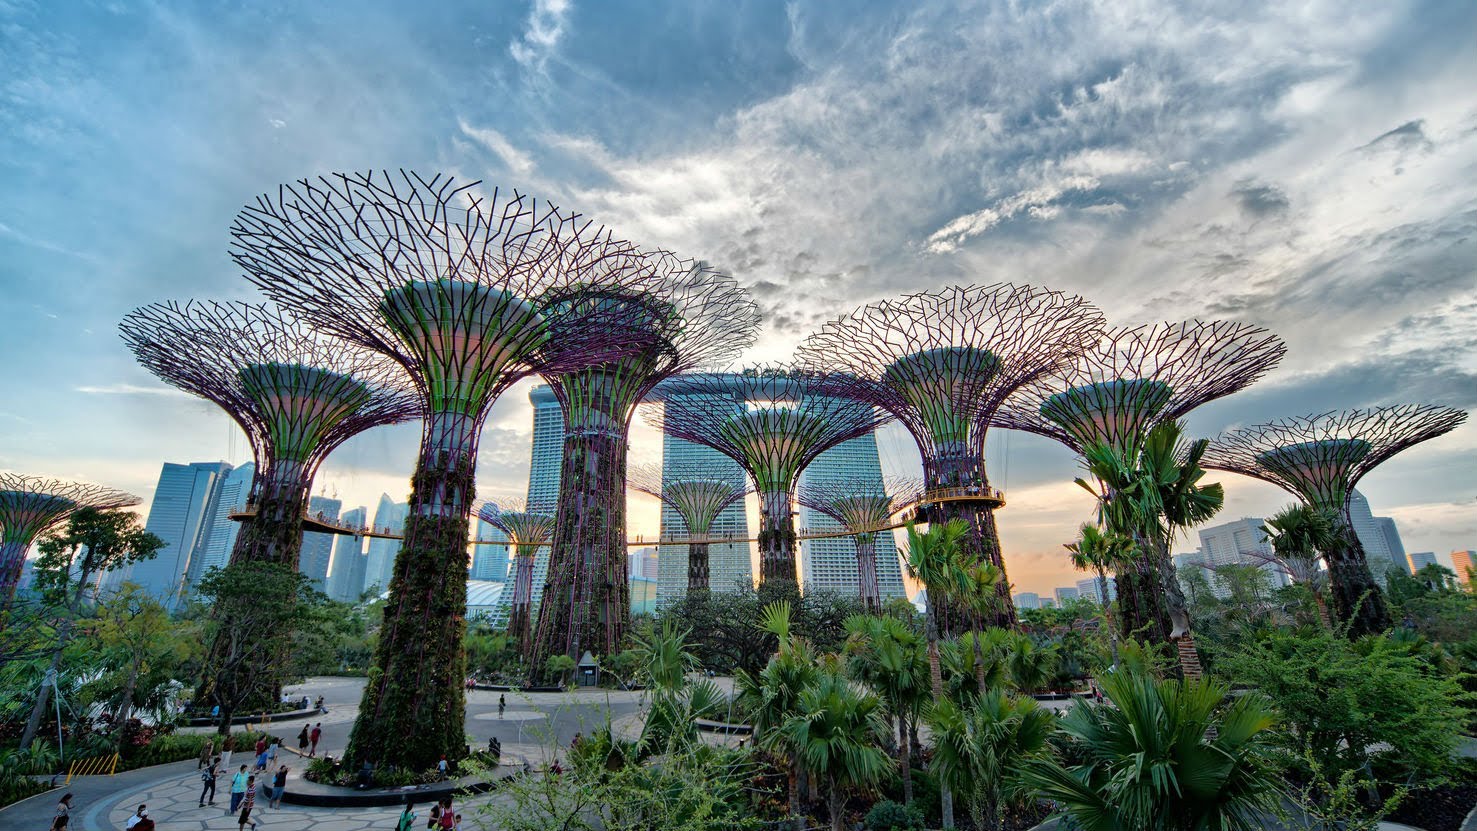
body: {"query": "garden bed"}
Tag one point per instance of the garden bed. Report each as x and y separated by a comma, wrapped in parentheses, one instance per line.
(258, 718)
(1437, 809)
(322, 795)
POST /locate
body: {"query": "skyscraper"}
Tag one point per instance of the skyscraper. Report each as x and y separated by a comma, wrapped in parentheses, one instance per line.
(544, 474)
(346, 575)
(389, 516)
(1241, 542)
(1065, 593)
(220, 537)
(1461, 562)
(317, 550)
(1392, 540)
(1027, 600)
(490, 562)
(1092, 590)
(830, 564)
(1376, 544)
(184, 502)
(1421, 559)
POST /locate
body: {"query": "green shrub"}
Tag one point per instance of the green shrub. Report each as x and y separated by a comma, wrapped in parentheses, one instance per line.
(890, 816)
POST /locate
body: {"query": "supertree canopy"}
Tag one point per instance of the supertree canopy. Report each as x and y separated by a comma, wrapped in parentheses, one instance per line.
(773, 421)
(669, 315)
(698, 497)
(1114, 393)
(1320, 458)
(943, 363)
(445, 280)
(864, 507)
(528, 531)
(30, 506)
(295, 392)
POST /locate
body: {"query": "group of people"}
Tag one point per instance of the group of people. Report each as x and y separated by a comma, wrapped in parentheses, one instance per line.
(442, 817)
(307, 739)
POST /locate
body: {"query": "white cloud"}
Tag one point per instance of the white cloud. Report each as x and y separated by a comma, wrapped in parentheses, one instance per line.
(542, 33)
(516, 160)
(130, 389)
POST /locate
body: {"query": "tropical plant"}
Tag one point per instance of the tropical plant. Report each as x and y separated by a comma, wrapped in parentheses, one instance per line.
(1100, 552)
(663, 662)
(887, 815)
(1170, 755)
(980, 748)
(974, 661)
(888, 656)
(1031, 667)
(934, 559)
(978, 591)
(835, 732)
(1299, 535)
(771, 696)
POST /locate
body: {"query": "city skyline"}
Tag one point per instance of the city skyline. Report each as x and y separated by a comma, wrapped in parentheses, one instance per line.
(1308, 177)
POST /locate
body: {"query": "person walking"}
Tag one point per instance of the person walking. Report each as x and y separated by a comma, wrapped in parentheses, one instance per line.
(447, 820)
(63, 813)
(502, 703)
(313, 738)
(279, 784)
(272, 752)
(441, 766)
(407, 817)
(207, 781)
(238, 788)
(227, 748)
(207, 752)
(434, 818)
(247, 803)
(138, 816)
(302, 741)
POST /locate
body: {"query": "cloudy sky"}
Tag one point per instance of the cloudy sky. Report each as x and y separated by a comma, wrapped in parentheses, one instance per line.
(1311, 168)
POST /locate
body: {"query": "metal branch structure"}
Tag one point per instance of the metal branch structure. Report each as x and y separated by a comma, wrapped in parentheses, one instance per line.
(698, 497)
(445, 279)
(528, 531)
(297, 394)
(1320, 458)
(862, 505)
(32, 505)
(943, 363)
(774, 421)
(1115, 393)
(669, 315)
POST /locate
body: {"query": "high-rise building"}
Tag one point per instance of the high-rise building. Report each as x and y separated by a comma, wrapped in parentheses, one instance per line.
(317, 550)
(184, 503)
(1242, 542)
(220, 538)
(346, 575)
(1392, 540)
(389, 517)
(544, 472)
(729, 563)
(490, 562)
(830, 564)
(643, 563)
(1027, 600)
(1421, 559)
(1065, 593)
(1461, 561)
(1092, 590)
(1377, 551)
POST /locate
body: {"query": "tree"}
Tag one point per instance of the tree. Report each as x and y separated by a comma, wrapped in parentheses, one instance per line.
(663, 662)
(772, 696)
(888, 656)
(1171, 755)
(979, 592)
(138, 635)
(979, 749)
(1102, 551)
(93, 542)
(934, 559)
(835, 732)
(1299, 535)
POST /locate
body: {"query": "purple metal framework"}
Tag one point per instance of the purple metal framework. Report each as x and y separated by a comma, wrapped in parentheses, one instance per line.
(773, 421)
(445, 279)
(528, 531)
(862, 506)
(698, 497)
(943, 363)
(30, 506)
(1115, 393)
(670, 315)
(1320, 458)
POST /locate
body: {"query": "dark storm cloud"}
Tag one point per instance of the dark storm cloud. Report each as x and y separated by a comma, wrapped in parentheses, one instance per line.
(1259, 200)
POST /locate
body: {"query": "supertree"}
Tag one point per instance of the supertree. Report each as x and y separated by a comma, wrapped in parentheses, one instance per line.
(443, 279)
(698, 497)
(30, 506)
(1319, 459)
(864, 507)
(528, 531)
(297, 394)
(773, 421)
(1113, 394)
(942, 363)
(669, 315)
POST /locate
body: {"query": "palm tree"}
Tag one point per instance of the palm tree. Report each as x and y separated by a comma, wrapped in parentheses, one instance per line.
(979, 749)
(1170, 755)
(933, 559)
(835, 732)
(978, 592)
(974, 656)
(1299, 534)
(1031, 667)
(773, 695)
(663, 661)
(1101, 552)
(888, 656)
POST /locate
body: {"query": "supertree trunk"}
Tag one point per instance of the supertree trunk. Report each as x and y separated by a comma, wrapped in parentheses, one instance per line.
(12, 562)
(1357, 599)
(866, 572)
(776, 538)
(587, 601)
(520, 613)
(413, 709)
(981, 543)
(1142, 610)
(697, 567)
(275, 533)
